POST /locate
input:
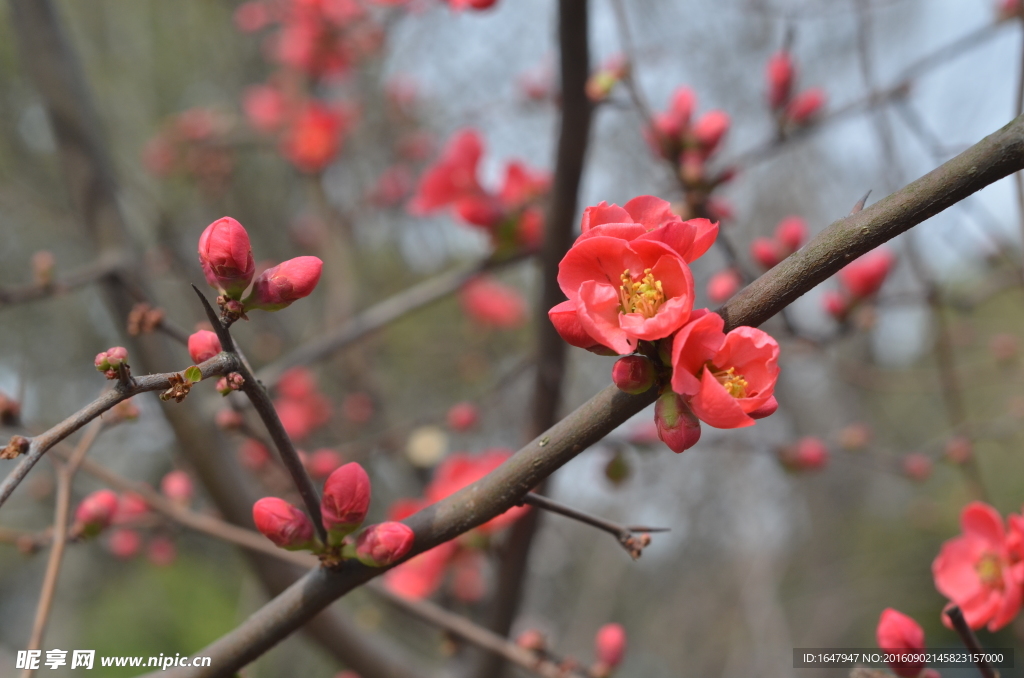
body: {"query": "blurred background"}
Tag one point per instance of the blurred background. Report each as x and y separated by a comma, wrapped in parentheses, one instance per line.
(915, 393)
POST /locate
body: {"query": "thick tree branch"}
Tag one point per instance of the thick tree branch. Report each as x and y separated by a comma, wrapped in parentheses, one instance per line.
(997, 156)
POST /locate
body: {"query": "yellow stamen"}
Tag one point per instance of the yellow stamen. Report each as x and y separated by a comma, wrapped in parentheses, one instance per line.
(734, 383)
(990, 572)
(644, 296)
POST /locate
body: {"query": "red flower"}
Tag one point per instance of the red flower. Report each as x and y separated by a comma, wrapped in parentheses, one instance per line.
(460, 470)
(610, 644)
(649, 218)
(421, 575)
(346, 501)
(626, 291)
(899, 633)
(279, 286)
(384, 544)
(522, 185)
(729, 378)
(315, 136)
(978, 571)
(203, 345)
(283, 524)
(226, 256)
(493, 304)
(453, 177)
(780, 78)
(864, 276)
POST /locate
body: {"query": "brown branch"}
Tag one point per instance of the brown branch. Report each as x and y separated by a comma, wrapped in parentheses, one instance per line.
(38, 445)
(102, 268)
(625, 534)
(65, 477)
(956, 617)
(377, 317)
(997, 156)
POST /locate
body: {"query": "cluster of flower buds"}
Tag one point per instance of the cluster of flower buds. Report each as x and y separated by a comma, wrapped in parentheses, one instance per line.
(790, 109)
(194, 143)
(226, 257)
(232, 381)
(859, 280)
(511, 216)
(630, 292)
(108, 362)
(602, 81)
(343, 508)
(790, 235)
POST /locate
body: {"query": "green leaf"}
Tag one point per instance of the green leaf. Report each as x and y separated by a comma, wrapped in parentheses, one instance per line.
(194, 374)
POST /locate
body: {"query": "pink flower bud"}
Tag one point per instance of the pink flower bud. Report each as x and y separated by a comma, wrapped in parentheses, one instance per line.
(835, 304)
(384, 544)
(807, 455)
(130, 507)
(723, 285)
(677, 426)
(531, 639)
(780, 79)
(283, 524)
(864, 276)
(96, 512)
(253, 454)
(791, 233)
(203, 345)
(765, 252)
(709, 130)
(279, 286)
(806, 105)
(898, 633)
(323, 462)
(228, 419)
(462, 416)
(161, 551)
(917, 466)
(346, 501)
(226, 256)
(124, 543)
(177, 486)
(633, 374)
(959, 450)
(610, 644)
(108, 361)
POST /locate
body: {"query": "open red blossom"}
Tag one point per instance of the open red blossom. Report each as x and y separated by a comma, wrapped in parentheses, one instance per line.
(626, 291)
(493, 304)
(781, 72)
(453, 177)
(978, 570)
(346, 501)
(728, 378)
(226, 256)
(283, 524)
(898, 633)
(863, 276)
(279, 286)
(203, 345)
(460, 470)
(314, 137)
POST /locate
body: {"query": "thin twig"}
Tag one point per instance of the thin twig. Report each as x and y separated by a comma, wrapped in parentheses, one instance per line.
(102, 268)
(623, 533)
(956, 617)
(216, 366)
(65, 477)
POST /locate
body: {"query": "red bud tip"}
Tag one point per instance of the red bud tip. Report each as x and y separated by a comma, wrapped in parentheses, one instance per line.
(610, 644)
(203, 345)
(633, 374)
(384, 544)
(283, 524)
(346, 501)
(279, 286)
(96, 512)
(226, 257)
(677, 426)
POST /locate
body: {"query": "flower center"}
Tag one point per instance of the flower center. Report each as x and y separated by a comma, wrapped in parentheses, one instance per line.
(734, 383)
(990, 572)
(644, 296)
